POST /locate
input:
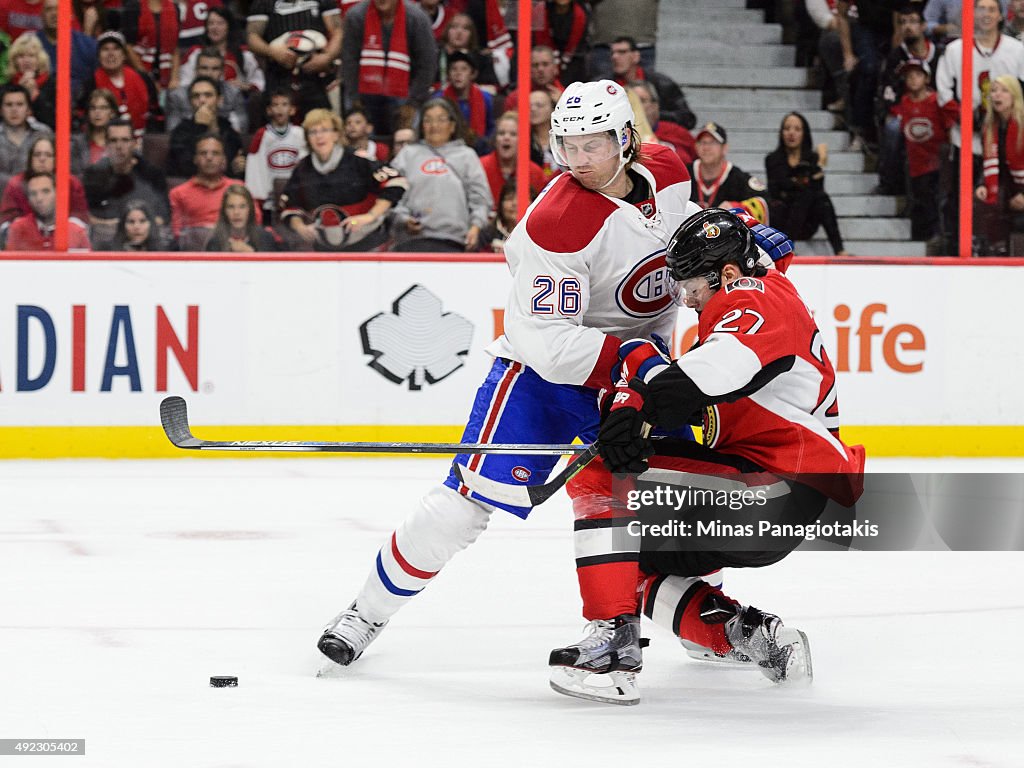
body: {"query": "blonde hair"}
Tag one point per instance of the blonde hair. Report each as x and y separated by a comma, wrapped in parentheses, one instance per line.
(317, 116)
(28, 42)
(990, 126)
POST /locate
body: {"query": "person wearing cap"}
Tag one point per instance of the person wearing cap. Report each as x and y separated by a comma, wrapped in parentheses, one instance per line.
(128, 86)
(915, 45)
(924, 128)
(717, 183)
(476, 104)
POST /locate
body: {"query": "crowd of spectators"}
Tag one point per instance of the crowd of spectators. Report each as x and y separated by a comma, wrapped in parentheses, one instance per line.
(384, 124)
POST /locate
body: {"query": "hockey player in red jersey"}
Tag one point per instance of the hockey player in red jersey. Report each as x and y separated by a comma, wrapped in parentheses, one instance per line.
(763, 384)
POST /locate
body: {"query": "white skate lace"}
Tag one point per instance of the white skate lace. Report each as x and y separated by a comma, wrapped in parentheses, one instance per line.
(598, 633)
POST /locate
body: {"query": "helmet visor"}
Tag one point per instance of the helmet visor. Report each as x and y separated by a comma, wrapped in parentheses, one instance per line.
(584, 150)
(692, 288)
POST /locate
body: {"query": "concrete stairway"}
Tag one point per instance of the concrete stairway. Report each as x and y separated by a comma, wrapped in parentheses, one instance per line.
(721, 54)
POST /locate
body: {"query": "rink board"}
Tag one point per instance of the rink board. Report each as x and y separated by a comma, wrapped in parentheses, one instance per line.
(354, 350)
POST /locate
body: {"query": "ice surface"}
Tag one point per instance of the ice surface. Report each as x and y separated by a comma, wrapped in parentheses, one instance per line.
(125, 585)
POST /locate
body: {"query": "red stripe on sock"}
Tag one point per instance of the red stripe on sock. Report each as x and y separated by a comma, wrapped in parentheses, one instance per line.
(405, 563)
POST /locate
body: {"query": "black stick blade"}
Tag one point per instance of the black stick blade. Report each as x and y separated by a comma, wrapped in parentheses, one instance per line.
(174, 418)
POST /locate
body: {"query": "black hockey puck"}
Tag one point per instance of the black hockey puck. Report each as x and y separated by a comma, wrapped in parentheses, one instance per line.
(223, 681)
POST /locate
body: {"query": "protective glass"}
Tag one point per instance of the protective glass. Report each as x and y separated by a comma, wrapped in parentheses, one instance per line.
(587, 149)
(692, 287)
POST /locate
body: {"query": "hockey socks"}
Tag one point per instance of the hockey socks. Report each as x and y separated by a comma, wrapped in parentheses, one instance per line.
(692, 609)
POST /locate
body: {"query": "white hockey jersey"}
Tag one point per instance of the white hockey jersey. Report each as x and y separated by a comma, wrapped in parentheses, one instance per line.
(273, 155)
(589, 271)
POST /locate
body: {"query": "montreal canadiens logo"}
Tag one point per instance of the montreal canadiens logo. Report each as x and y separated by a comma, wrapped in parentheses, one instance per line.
(918, 129)
(283, 159)
(522, 474)
(435, 166)
(644, 291)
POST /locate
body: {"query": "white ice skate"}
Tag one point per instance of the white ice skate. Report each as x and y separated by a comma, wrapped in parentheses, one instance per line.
(781, 653)
(701, 653)
(603, 665)
(345, 638)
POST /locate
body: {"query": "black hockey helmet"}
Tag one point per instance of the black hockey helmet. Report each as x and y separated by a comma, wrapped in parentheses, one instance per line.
(706, 242)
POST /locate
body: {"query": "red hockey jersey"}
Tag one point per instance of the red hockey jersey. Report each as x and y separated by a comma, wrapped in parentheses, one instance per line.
(760, 345)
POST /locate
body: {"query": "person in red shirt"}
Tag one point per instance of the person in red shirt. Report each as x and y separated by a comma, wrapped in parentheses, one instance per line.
(41, 159)
(925, 128)
(195, 205)
(127, 85)
(34, 231)
(563, 27)
(20, 16)
(500, 165)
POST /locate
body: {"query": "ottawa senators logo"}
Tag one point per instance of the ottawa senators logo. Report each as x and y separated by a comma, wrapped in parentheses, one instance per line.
(711, 231)
(710, 426)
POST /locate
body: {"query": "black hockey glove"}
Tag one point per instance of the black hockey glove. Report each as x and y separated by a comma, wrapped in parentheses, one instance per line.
(672, 398)
(624, 444)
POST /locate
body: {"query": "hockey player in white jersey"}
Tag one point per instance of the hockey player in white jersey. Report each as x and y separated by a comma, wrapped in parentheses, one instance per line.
(588, 271)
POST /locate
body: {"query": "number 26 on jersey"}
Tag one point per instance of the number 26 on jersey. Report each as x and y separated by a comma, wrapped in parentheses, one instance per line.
(555, 296)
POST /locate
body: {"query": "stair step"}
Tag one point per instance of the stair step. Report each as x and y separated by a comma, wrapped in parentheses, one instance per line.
(675, 60)
(682, 32)
(717, 14)
(872, 228)
(865, 205)
(845, 162)
(746, 140)
(769, 119)
(878, 248)
(741, 77)
(709, 100)
(695, 7)
(840, 184)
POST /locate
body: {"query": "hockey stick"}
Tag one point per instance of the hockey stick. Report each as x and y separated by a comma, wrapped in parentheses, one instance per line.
(524, 495)
(174, 418)
(529, 495)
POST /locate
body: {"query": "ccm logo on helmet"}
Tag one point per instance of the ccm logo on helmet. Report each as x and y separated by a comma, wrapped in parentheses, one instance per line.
(644, 291)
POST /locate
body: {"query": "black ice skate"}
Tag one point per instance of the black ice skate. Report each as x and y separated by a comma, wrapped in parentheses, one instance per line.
(603, 665)
(782, 654)
(346, 637)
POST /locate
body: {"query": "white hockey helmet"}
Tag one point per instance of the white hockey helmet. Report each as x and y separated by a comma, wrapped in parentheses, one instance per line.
(590, 108)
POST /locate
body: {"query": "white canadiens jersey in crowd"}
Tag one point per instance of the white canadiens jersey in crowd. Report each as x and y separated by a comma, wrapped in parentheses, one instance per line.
(589, 271)
(273, 155)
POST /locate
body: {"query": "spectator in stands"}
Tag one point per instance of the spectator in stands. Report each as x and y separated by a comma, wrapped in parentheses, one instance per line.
(626, 69)
(83, 49)
(796, 185)
(494, 235)
(192, 19)
(359, 136)
(610, 19)
(400, 138)
(717, 183)
(209, 63)
(924, 126)
(138, 230)
(439, 17)
(17, 129)
(29, 67)
(500, 165)
(20, 16)
(541, 107)
(914, 45)
(152, 33)
(942, 18)
(127, 85)
(1014, 26)
(204, 96)
(460, 35)
(449, 200)
(89, 146)
(275, 150)
(835, 51)
(41, 159)
(336, 200)
(994, 54)
(1001, 193)
(238, 229)
(387, 78)
(239, 66)
(665, 132)
(543, 76)
(195, 205)
(492, 36)
(563, 28)
(476, 105)
(117, 179)
(92, 17)
(35, 231)
(268, 24)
